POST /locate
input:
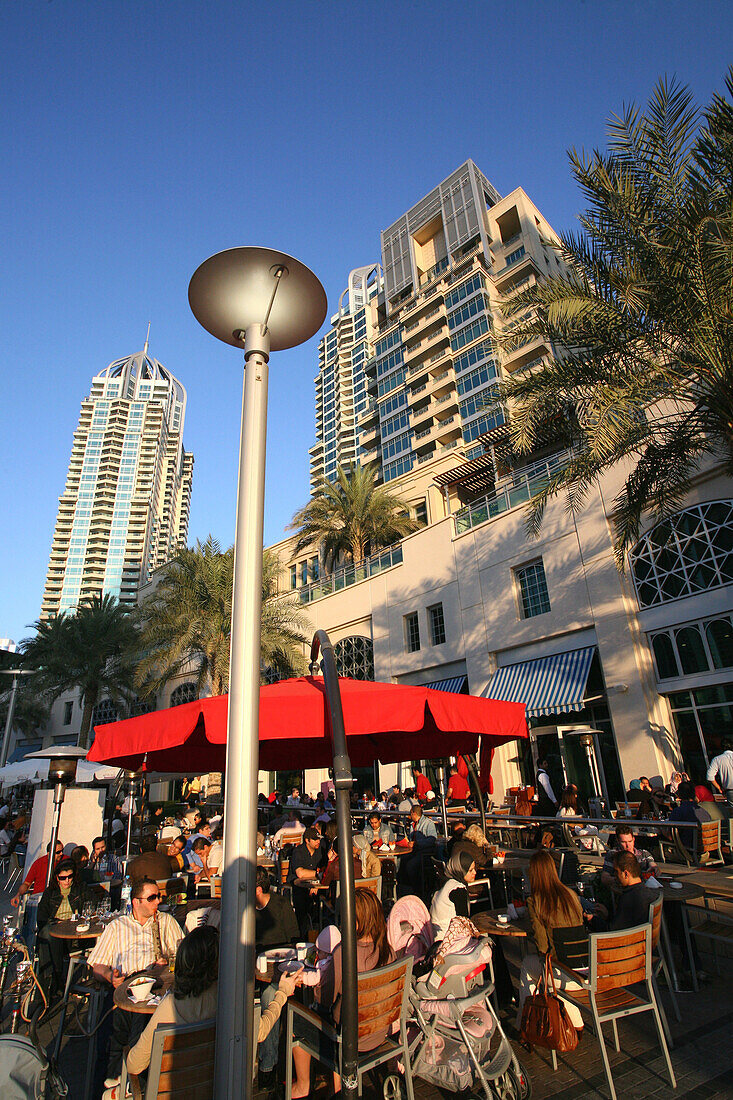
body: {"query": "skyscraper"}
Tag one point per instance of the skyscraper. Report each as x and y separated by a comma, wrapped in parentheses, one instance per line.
(126, 503)
(449, 263)
(341, 382)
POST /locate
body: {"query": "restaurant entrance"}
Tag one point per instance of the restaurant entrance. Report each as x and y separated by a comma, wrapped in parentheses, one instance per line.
(581, 755)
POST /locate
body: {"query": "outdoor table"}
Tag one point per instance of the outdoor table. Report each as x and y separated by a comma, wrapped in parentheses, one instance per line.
(716, 883)
(121, 999)
(688, 891)
(69, 930)
(516, 929)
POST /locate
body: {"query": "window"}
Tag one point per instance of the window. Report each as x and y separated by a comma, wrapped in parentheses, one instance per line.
(142, 706)
(421, 513)
(303, 566)
(184, 693)
(355, 658)
(533, 595)
(293, 576)
(437, 624)
(690, 648)
(690, 552)
(104, 712)
(68, 711)
(412, 632)
(314, 568)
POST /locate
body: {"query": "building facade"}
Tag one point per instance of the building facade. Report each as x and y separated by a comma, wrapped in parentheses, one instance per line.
(640, 660)
(340, 384)
(125, 506)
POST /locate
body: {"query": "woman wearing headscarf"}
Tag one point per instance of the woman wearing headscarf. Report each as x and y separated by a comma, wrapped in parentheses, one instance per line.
(451, 900)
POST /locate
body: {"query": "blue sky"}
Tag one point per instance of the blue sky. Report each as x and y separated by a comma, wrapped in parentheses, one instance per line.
(141, 137)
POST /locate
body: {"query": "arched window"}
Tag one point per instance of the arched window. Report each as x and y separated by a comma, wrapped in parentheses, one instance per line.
(664, 656)
(184, 693)
(693, 657)
(690, 552)
(105, 711)
(142, 706)
(720, 641)
(355, 658)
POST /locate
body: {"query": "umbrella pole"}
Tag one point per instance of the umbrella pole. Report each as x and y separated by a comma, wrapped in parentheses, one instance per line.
(443, 808)
(343, 782)
(477, 792)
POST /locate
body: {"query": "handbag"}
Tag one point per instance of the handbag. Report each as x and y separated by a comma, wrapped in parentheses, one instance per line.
(545, 1020)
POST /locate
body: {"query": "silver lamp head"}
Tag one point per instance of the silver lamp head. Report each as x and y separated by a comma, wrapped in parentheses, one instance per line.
(62, 761)
(233, 290)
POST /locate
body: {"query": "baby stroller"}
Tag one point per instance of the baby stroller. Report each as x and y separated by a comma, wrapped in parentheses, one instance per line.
(458, 1041)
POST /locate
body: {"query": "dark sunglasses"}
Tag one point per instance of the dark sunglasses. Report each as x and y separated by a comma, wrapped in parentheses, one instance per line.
(70, 875)
(151, 897)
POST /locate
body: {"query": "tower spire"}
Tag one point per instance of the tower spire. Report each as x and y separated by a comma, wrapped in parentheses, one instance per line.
(147, 340)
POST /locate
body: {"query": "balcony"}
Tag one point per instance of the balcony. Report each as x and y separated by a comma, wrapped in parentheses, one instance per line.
(518, 491)
(351, 574)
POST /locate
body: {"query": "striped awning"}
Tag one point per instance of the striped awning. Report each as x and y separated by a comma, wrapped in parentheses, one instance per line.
(547, 685)
(456, 684)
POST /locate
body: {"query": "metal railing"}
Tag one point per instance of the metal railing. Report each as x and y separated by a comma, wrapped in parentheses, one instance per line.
(521, 489)
(351, 574)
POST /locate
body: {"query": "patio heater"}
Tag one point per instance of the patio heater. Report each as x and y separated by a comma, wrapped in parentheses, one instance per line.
(132, 778)
(260, 300)
(586, 740)
(62, 762)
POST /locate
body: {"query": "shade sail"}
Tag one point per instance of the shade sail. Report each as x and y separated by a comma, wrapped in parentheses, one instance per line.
(547, 685)
(385, 722)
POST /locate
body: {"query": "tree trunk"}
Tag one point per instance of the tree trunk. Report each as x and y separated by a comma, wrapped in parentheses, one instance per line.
(90, 702)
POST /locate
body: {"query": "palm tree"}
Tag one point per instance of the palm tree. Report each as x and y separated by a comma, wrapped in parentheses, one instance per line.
(31, 710)
(186, 622)
(641, 324)
(351, 517)
(92, 650)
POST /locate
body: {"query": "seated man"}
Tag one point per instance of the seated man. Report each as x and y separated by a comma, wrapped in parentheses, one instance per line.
(302, 875)
(292, 824)
(151, 863)
(198, 859)
(422, 844)
(625, 842)
(632, 907)
(175, 854)
(35, 879)
(130, 943)
(378, 832)
(103, 864)
(685, 811)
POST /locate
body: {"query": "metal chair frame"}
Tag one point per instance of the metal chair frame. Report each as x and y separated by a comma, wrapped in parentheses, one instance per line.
(371, 986)
(617, 960)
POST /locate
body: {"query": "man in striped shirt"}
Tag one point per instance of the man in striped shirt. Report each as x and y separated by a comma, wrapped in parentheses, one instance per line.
(131, 943)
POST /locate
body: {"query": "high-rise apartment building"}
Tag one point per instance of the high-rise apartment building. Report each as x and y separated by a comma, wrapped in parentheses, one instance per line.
(341, 382)
(449, 263)
(125, 507)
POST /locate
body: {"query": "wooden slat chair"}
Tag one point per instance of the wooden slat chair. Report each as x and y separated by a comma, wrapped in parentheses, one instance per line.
(709, 843)
(181, 1064)
(383, 1002)
(660, 966)
(282, 882)
(714, 926)
(617, 960)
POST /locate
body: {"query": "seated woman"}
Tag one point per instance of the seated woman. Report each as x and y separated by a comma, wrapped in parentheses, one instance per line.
(372, 951)
(194, 996)
(551, 906)
(569, 804)
(451, 900)
(66, 895)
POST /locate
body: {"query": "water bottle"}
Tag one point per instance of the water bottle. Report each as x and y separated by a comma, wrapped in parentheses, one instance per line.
(125, 903)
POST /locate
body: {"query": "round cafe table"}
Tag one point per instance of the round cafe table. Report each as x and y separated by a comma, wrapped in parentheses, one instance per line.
(488, 922)
(123, 1001)
(69, 930)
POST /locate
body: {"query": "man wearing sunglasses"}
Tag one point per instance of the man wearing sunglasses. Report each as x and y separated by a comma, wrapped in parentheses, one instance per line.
(130, 943)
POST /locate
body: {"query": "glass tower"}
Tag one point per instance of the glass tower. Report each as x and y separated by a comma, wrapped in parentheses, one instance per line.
(341, 382)
(125, 507)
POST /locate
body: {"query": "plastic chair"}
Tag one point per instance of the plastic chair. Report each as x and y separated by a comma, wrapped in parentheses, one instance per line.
(617, 960)
(383, 1002)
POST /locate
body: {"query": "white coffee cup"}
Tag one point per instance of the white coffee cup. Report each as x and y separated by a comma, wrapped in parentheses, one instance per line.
(503, 918)
(140, 989)
(300, 950)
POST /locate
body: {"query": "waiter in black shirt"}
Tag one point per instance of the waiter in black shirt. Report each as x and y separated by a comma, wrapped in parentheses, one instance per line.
(275, 923)
(302, 875)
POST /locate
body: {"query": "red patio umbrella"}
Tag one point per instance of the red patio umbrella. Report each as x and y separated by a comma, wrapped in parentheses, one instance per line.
(385, 722)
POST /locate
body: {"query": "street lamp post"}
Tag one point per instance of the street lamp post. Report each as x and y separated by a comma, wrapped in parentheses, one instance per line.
(263, 301)
(16, 673)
